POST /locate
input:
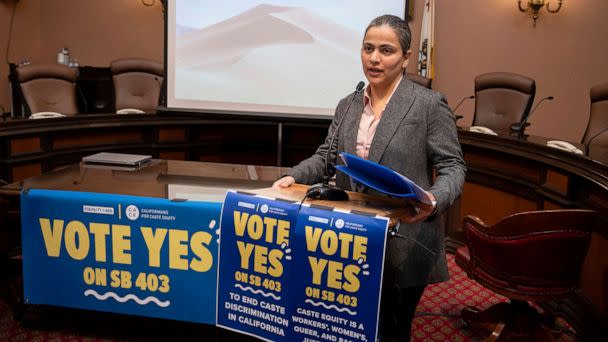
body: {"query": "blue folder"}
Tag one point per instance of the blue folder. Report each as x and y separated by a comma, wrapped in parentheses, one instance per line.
(380, 178)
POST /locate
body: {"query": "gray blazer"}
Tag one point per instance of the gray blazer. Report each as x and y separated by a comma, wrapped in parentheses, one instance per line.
(416, 134)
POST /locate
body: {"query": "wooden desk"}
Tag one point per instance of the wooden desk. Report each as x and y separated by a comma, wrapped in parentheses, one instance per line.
(506, 174)
(33, 147)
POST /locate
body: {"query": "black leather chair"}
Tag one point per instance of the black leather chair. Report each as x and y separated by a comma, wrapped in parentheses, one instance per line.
(502, 99)
(596, 134)
(137, 84)
(48, 88)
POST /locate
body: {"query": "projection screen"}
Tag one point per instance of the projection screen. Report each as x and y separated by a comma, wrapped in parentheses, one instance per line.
(277, 58)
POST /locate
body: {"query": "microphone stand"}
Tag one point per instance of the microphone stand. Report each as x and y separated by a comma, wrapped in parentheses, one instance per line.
(323, 190)
(521, 127)
(458, 117)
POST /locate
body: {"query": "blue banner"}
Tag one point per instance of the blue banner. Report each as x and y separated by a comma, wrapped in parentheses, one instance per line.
(287, 274)
(254, 265)
(335, 294)
(123, 254)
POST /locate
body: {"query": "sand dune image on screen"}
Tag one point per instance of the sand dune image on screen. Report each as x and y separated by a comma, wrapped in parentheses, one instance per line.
(268, 55)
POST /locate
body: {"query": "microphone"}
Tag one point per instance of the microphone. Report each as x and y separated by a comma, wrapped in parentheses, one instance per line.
(521, 127)
(461, 101)
(588, 144)
(323, 190)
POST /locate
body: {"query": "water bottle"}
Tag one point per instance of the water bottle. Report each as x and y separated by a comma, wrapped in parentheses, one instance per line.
(60, 58)
(66, 56)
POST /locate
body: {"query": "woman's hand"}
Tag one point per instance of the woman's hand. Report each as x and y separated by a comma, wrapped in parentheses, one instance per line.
(284, 182)
(421, 211)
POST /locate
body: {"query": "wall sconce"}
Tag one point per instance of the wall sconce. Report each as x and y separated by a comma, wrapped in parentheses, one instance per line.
(536, 5)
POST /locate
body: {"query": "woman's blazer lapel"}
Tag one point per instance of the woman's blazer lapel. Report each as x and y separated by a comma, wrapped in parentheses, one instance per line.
(397, 109)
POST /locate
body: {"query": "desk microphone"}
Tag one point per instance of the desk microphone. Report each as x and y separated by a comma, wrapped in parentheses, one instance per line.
(588, 144)
(521, 127)
(323, 190)
(461, 101)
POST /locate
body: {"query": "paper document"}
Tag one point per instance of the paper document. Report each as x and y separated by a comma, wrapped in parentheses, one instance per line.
(381, 178)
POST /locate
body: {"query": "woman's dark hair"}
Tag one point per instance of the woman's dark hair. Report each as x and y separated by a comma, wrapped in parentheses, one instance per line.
(400, 27)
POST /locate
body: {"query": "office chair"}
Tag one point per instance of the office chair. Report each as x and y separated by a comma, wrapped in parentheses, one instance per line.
(596, 136)
(502, 99)
(530, 256)
(48, 88)
(137, 84)
(421, 80)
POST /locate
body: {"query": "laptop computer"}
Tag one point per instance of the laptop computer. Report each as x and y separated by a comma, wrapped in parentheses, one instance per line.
(119, 159)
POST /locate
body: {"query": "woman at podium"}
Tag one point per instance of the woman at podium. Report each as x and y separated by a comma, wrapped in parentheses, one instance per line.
(409, 129)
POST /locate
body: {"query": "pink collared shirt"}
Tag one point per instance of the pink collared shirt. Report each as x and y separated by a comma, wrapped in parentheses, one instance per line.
(368, 123)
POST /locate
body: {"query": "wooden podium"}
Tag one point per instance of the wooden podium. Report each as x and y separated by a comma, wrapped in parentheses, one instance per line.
(393, 208)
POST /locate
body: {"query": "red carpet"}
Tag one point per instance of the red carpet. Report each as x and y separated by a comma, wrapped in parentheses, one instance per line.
(438, 314)
(437, 320)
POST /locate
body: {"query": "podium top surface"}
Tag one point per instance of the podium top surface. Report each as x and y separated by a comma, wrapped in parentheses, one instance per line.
(393, 208)
(183, 180)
